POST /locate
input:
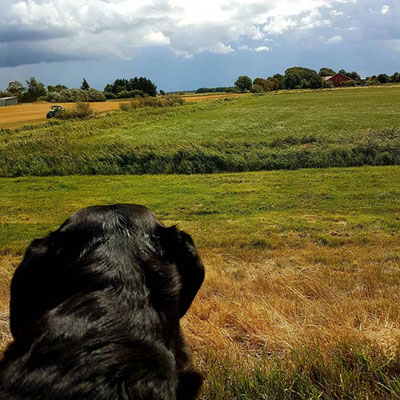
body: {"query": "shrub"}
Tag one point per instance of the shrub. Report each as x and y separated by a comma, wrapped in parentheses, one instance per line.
(155, 102)
(80, 111)
(75, 95)
(110, 95)
(328, 84)
(256, 89)
(349, 83)
(232, 90)
(95, 95)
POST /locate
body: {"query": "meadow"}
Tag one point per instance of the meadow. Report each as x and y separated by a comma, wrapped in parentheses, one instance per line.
(301, 296)
(283, 130)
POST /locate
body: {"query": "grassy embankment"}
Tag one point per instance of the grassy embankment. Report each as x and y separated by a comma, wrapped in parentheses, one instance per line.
(301, 299)
(299, 129)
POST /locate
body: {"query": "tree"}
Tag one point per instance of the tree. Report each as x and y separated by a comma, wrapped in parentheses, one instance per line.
(352, 75)
(56, 88)
(35, 90)
(302, 78)
(243, 82)
(85, 85)
(16, 88)
(395, 77)
(281, 80)
(256, 89)
(326, 72)
(383, 78)
(162, 93)
(263, 83)
(143, 84)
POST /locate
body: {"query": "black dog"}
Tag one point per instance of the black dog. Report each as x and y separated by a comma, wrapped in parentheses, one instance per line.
(95, 310)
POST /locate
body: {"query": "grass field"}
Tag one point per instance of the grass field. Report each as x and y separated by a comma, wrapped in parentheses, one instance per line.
(33, 113)
(286, 130)
(302, 293)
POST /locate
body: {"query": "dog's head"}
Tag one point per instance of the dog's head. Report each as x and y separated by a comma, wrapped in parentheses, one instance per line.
(105, 246)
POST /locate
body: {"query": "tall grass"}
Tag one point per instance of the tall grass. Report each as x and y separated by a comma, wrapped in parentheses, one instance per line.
(341, 128)
(81, 110)
(155, 102)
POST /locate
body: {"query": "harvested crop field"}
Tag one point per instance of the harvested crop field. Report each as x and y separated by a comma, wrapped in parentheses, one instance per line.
(14, 116)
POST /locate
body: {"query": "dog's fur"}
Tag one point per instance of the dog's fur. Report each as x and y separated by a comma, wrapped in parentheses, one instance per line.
(95, 310)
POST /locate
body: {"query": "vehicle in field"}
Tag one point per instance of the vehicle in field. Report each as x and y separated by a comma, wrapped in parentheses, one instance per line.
(54, 110)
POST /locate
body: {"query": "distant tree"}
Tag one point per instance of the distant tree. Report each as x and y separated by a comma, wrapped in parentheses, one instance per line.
(302, 78)
(162, 93)
(5, 94)
(293, 80)
(395, 77)
(35, 90)
(372, 80)
(256, 89)
(85, 85)
(108, 88)
(281, 80)
(352, 75)
(233, 89)
(143, 84)
(383, 78)
(263, 83)
(56, 88)
(16, 88)
(243, 82)
(326, 72)
(355, 77)
(273, 84)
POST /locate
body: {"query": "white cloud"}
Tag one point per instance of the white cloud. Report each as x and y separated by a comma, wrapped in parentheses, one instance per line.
(279, 25)
(50, 30)
(262, 48)
(335, 39)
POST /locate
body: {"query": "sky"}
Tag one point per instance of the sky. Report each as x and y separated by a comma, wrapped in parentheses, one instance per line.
(187, 44)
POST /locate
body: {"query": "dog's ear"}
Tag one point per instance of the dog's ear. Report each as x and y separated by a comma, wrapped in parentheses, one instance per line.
(29, 287)
(179, 248)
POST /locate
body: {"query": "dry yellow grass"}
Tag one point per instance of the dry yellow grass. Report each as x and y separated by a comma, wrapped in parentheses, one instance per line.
(259, 303)
(266, 304)
(22, 114)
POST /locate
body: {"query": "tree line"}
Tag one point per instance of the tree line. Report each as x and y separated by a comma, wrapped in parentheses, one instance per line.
(305, 78)
(121, 88)
(35, 90)
(300, 78)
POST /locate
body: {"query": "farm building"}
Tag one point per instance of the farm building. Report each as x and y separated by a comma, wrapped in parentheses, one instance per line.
(8, 101)
(337, 79)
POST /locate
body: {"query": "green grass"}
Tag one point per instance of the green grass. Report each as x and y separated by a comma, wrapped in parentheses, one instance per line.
(287, 130)
(286, 238)
(282, 238)
(284, 202)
